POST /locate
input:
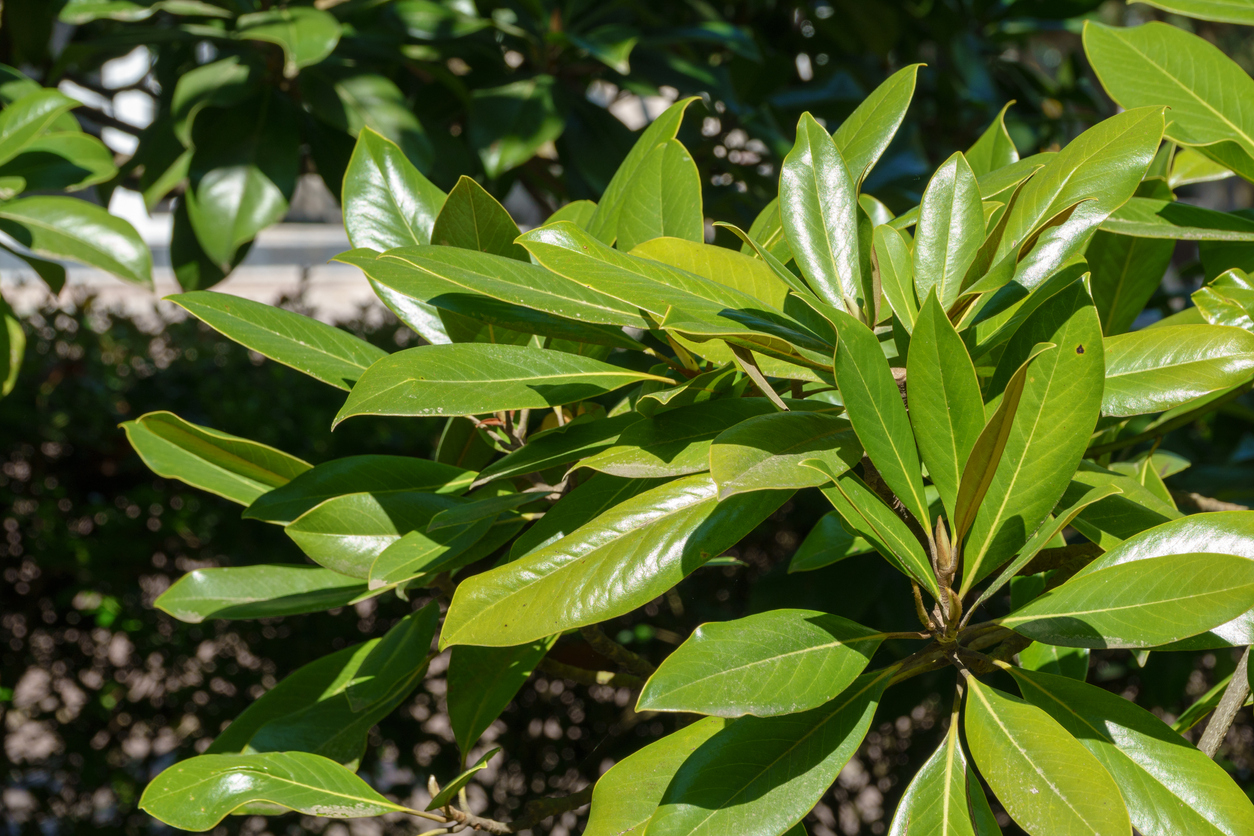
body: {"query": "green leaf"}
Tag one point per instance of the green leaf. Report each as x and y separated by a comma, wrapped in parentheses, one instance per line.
(221, 83)
(346, 533)
(472, 219)
(827, 543)
(994, 149)
(29, 117)
(235, 468)
(321, 351)
(485, 508)
(675, 442)
(895, 267)
(307, 35)
(766, 452)
(608, 567)
(78, 12)
(265, 591)
(1161, 368)
(1189, 166)
(62, 161)
(874, 407)
(328, 707)
(1225, 11)
(357, 474)
(1141, 603)
(65, 227)
(1056, 414)
(778, 662)
(1169, 786)
(1047, 781)
(1158, 64)
(507, 125)
(475, 378)
(868, 517)
(1143, 217)
(349, 100)
(1096, 174)
(606, 219)
(561, 446)
(1125, 273)
(446, 795)
(241, 180)
(221, 784)
(578, 212)
(582, 505)
(944, 796)
(950, 231)
(818, 206)
(663, 198)
(761, 775)
(482, 681)
(865, 135)
(626, 796)
(419, 556)
(1061, 661)
(749, 275)
(12, 347)
(1223, 532)
(387, 202)
(947, 412)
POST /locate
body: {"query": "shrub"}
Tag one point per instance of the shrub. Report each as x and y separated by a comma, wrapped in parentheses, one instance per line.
(622, 403)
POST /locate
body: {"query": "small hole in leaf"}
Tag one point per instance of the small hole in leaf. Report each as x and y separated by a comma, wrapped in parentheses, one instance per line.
(1079, 349)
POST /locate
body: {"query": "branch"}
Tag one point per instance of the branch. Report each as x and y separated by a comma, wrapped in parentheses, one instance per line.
(615, 652)
(1205, 503)
(586, 677)
(542, 808)
(1234, 697)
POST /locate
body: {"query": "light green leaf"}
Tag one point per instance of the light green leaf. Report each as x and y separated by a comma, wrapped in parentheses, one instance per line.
(235, 468)
(750, 276)
(265, 591)
(947, 413)
(1047, 781)
(1116, 518)
(387, 202)
(446, 795)
(221, 784)
(560, 446)
(626, 796)
(1161, 368)
(766, 452)
(1061, 661)
(864, 136)
(12, 347)
(319, 350)
(895, 267)
(818, 206)
(827, 543)
(29, 117)
(994, 149)
(777, 662)
(944, 796)
(874, 407)
(761, 775)
(482, 681)
(1056, 414)
(419, 556)
(472, 219)
(78, 12)
(1125, 273)
(663, 198)
(307, 35)
(1189, 166)
(1143, 217)
(582, 505)
(1169, 786)
(65, 227)
(950, 231)
(476, 378)
(1225, 11)
(578, 212)
(62, 161)
(508, 124)
(1141, 603)
(608, 567)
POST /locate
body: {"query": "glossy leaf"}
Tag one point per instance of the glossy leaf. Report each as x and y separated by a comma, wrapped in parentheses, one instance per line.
(307, 35)
(482, 681)
(472, 219)
(766, 452)
(994, 149)
(1143, 217)
(866, 134)
(949, 232)
(777, 662)
(895, 267)
(827, 543)
(449, 792)
(761, 775)
(264, 591)
(818, 205)
(947, 412)
(419, 555)
(748, 275)
(319, 350)
(235, 468)
(1190, 166)
(387, 202)
(607, 567)
(561, 445)
(944, 798)
(62, 161)
(1161, 368)
(1141, 603)
(476, 378)
(356, 474)
(626, 796)
(662, 199)
(1046, 780)
(68, 228)
(28, 117)
(1227, 11)
(1169, 786)
(221, 784)
(585, 503)
(874, 407)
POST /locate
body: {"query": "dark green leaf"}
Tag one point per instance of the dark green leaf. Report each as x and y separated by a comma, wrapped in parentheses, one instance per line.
(482, 681)
(508, 124)
(264, 591)
(472, 219)
(307, 35)
(827, 543)
(944, 797)
(1126, 272)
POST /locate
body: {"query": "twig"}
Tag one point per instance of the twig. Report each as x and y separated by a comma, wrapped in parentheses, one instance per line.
(1234, 697)
(542, 808)
(615, 652)
(586, 677)
(1205, 503)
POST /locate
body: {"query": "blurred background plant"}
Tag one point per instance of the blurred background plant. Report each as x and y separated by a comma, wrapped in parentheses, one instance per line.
(230, 111)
